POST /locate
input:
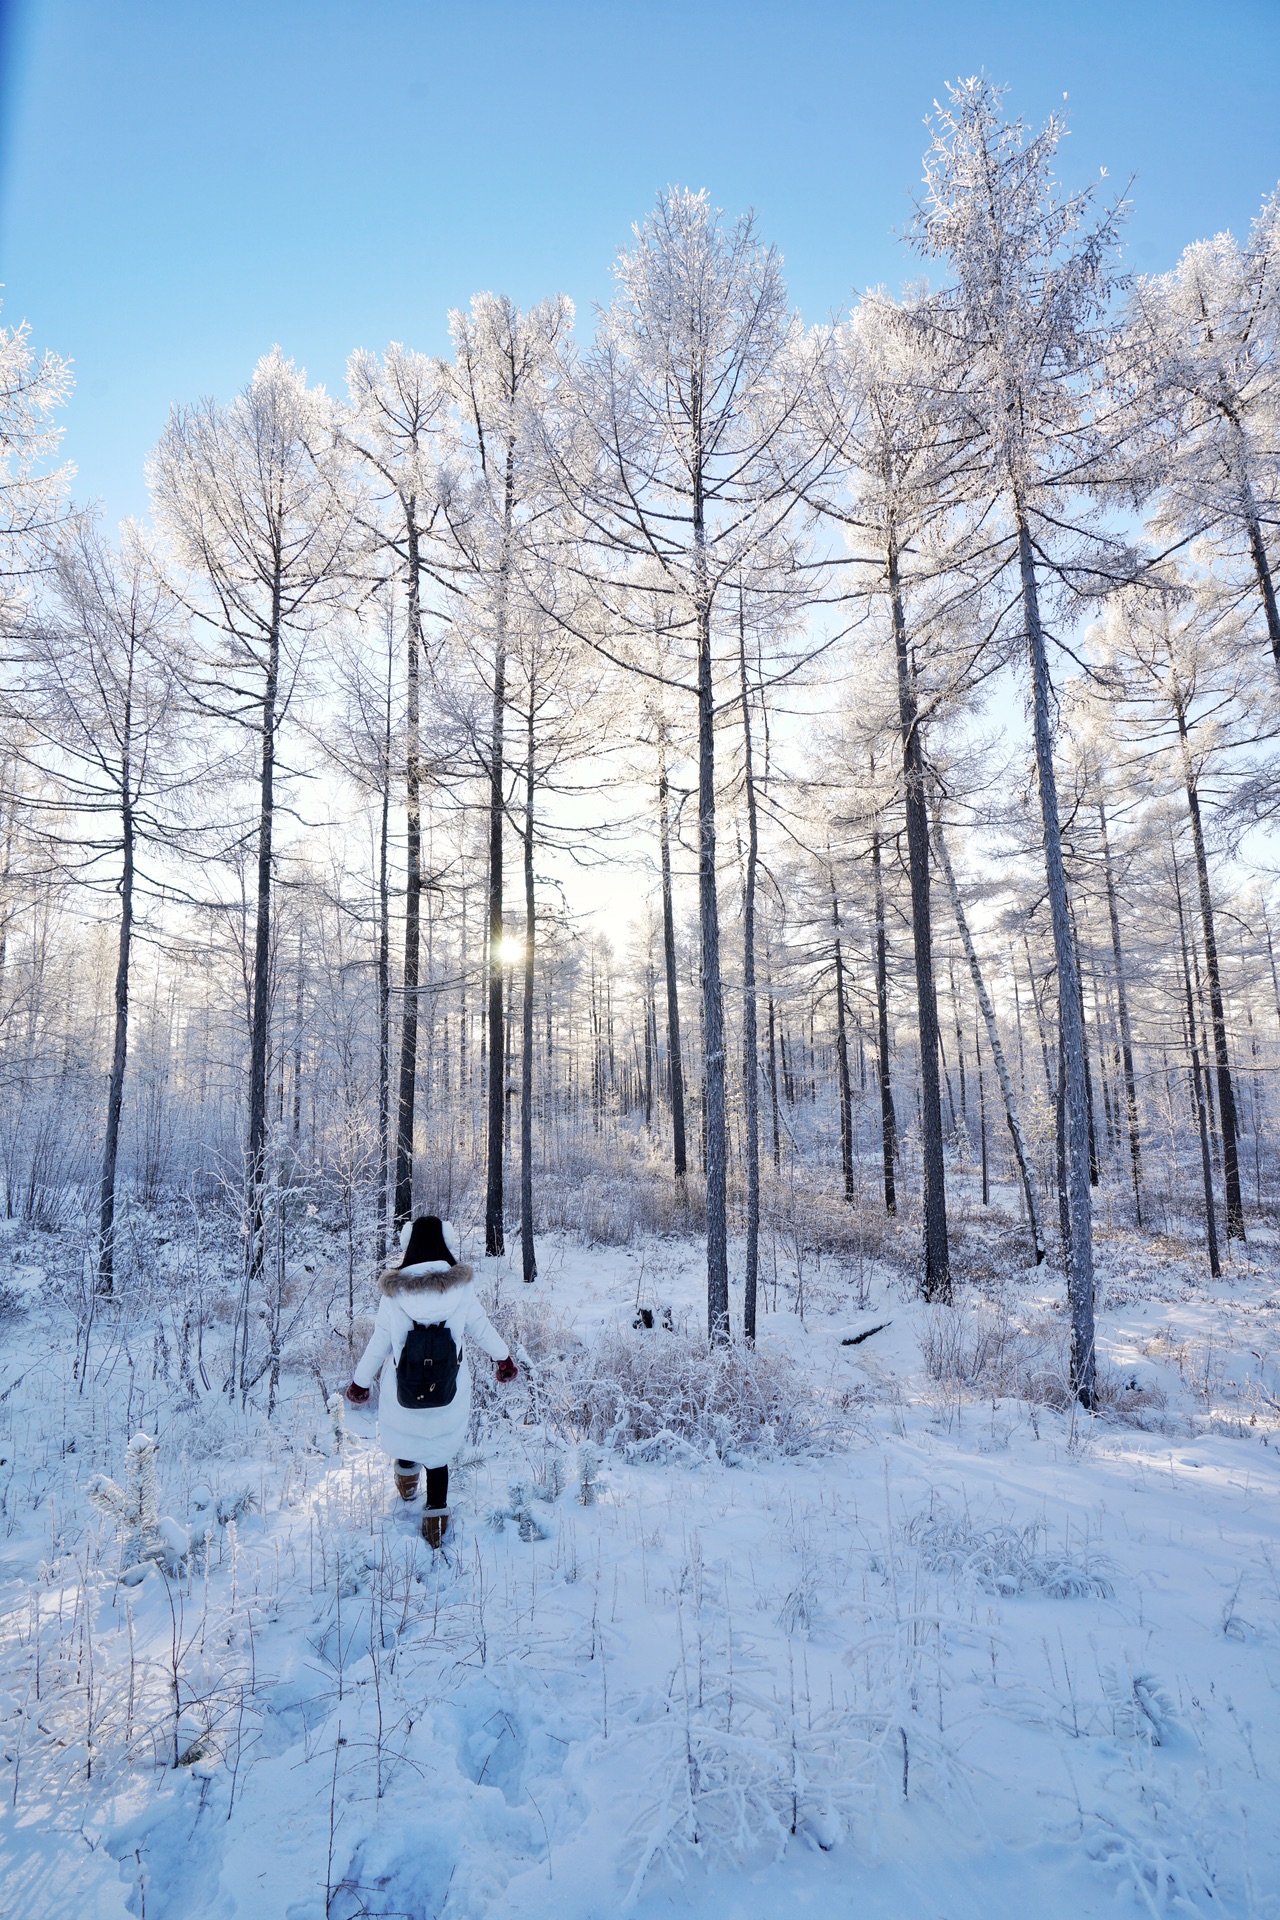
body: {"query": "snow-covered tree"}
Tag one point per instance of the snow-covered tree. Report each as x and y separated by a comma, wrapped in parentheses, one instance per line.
(97, 699)
(504, 372)
(400, 431)
(1025, 328)
(33, 493)
(1202, 347)
(262, 526)
(685, 461)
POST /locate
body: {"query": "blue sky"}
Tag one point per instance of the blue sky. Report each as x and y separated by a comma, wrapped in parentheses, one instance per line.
(185, 182)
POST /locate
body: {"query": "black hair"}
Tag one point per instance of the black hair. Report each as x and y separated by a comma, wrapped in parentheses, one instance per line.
(427, 1242)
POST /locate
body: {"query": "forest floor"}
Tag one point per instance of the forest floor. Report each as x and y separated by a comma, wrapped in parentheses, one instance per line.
(937, 1646)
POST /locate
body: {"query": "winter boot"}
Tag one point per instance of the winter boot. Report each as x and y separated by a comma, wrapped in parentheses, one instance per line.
(406, 1481)
(435, 1525)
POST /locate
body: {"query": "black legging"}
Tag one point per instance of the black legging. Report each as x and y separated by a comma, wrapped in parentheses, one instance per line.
(437, 1482)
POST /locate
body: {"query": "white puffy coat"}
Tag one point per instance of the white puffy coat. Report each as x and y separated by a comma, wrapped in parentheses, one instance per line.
(431, 1293)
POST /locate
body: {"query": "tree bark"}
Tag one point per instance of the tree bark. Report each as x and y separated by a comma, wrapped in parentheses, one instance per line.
(675, 1067)
(1126, 1031)
(1021, 1152)
(1080, 1283)
(937, 1260)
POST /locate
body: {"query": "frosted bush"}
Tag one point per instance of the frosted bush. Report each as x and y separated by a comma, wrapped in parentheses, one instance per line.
(655, 1394)
(981, 1346)
(1140, 1707)
(528, 1526)
(615, 1208)
(1000, 1559)
(658, 1394)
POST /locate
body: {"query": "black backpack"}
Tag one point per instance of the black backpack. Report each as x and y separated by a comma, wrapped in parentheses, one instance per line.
(427, 1370)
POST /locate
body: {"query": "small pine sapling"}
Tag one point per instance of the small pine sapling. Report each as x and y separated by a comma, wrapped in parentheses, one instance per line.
(521, 1511)
(551, 1482)
(135, 1508)
(337, 1422)
(588, 1475)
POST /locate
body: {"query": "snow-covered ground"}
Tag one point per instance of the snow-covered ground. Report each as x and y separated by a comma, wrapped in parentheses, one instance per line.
(930, 1650)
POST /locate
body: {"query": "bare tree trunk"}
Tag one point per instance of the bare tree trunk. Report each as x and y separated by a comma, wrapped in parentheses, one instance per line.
(1257, 546)
(675, 1067)
(1226, 1093)
(384, 972)
(773, 1077)
(982, 1120)
(412, 891)
(888, 1117)
(120, 1038)
(1080, 1285)
(528, 1257)
(295, 1116)
(260, 1028)
(713, 1061)
(1198, 1083)
(1126, 1031)
(1050, 1084)
(494, 1229)
(1021, 1152)
(955, 1017)
(1271, 956)
(714, 1126)
(842, 1052)
(937, 1260)
(650, 1036)
(750, 1045)
(1084, 1037)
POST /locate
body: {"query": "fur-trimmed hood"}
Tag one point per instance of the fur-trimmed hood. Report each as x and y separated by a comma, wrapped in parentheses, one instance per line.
(429, 1276)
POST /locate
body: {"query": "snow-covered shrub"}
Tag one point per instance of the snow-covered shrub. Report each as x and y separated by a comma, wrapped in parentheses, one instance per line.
(528, 1525)
(656, 1395)
(614, 1206)
(651, 1390)
(735, 1778)
(145, 1536)
(1120, 1391)
(981, 1346)
(1000, 1558)
(1140, 1707)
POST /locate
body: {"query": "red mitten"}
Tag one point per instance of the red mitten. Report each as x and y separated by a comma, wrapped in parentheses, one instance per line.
(357, 1395)
(506, 1370)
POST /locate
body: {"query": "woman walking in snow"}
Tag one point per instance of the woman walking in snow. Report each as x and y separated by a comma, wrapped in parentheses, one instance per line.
(424, 1404)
